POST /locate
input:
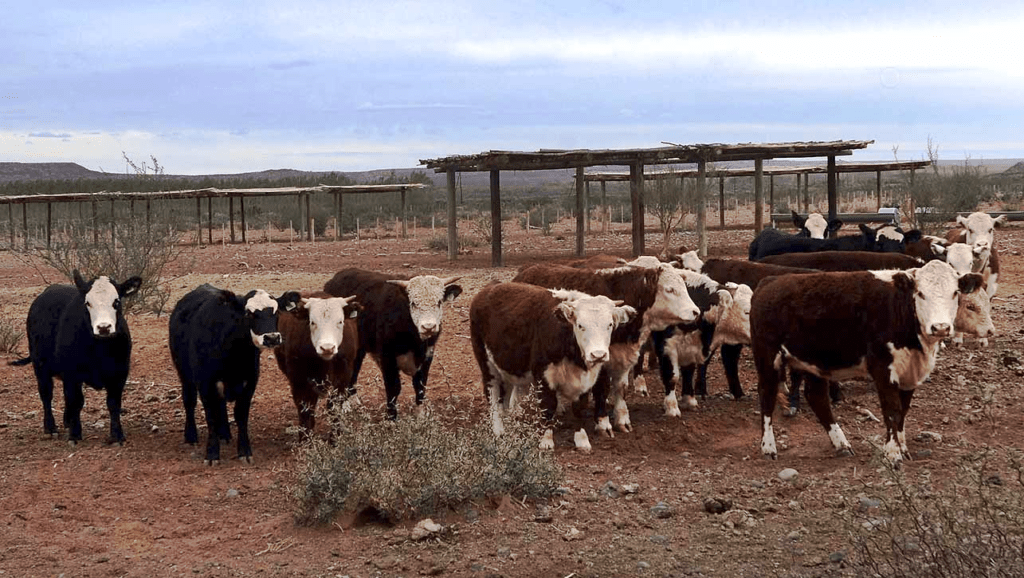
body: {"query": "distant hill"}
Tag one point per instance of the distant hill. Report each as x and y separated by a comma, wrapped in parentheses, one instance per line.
(1016, 170)
(10, 172)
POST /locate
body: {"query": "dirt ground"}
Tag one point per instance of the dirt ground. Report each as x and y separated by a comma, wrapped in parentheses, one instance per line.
(151, 508)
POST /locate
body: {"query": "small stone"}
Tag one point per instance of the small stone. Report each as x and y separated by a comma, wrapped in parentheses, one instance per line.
(924, 453)
(629, 489)
(836, 557)
(472, 516)
(425, 529)
(868, 505)
(662, 510)
(641, 565)
(659, 539)
(757, 484)
(150, 398)
(994, 480)
(562, 490)
(717, 505)
(788, 475)
(543, 515)
(504, 552)
(794, 535)
(232, 493)
(154, 429)
(610, 489)
(571, 534)
(929, 436)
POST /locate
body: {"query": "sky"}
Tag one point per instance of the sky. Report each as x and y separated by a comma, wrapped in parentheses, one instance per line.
(225, 87)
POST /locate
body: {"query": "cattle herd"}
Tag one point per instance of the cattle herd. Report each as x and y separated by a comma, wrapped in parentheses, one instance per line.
(875, 305)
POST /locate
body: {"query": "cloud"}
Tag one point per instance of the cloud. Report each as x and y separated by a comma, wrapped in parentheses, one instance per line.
(47, 134)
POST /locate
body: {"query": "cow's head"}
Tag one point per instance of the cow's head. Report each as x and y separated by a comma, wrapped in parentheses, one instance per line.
(936, 288)
(891, 238)
(732, 326)
(926, 247)
(974, 313)
(261, 311)
(965, 258)
(593, 318)
(327, 321)
(816, 226)
(672, 303)
(689, 260)
(103, 298)
(979, 228)
(427, 294)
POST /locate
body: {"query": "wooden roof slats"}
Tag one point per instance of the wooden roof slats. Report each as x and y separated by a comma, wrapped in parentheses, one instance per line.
(559, 159)
(768, 171)
(206, 193)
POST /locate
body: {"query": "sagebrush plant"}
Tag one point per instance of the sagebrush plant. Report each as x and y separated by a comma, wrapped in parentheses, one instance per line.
(134, 250)
(974, 526)
(440, 242)
(11, 334)
(418, 465)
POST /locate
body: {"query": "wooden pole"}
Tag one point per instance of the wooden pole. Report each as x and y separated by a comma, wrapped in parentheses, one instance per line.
(636, 192)
(771, 194)
(49, 224)
(833, 202)
(495, 219)
(209, 218)
(721, 202)
(807, 193)
(702, 207)
(878, 191)
(149, 221)
(453, 233)
(586, 202)
(405, 229)
(309, 219)
(604, 207)
(231, 216)
(95, 225)
(758, 195)
(337, 216)
(199, 221)
(113, 221)
(241, 210)
(581, 210)
(10, 220)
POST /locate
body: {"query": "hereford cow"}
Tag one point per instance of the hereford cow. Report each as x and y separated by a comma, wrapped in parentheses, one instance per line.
(215, 338)
(978, 231)
(725, 320)
(554, 339)
(890, 238)
(78, 334)
(844, 260)
(399, 325)
(886, 325)
(660, 298)
(927, 248)
(319, 342)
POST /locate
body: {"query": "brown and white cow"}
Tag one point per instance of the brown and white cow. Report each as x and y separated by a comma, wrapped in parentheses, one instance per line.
(884, 325)
(844, 260)
(974, 317)
(319, 342)
(658, 294)
(558, 340)
(978, 231)
(816, 226)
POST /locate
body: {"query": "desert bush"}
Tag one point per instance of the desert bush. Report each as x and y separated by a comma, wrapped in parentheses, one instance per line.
(11, 334)
(440, 242)
(974, 526)
(418, 465)
(132, 250)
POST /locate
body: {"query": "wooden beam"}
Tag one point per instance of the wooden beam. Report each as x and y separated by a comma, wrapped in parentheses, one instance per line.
(721, 202)
(758, 195)
(241, 210)
(405, 218)
(581, 208)
(453, 233)
(636, 188)
(702, 211)
(231, 217)
(605, 217)
(833, 207)
(495, 219)
(878, 190)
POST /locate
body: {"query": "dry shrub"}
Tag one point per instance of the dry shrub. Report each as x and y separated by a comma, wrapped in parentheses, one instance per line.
(440, 242)
(417, 465)
(10, 334)
(974, 526)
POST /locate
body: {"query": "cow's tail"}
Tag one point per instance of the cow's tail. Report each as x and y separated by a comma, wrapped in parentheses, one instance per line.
(22, 361)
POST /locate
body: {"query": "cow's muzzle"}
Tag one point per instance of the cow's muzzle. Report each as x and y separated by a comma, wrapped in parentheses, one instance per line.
(941, 329)
(270, 339)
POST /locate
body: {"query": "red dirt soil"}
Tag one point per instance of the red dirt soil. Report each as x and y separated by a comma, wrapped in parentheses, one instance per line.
(151, 508)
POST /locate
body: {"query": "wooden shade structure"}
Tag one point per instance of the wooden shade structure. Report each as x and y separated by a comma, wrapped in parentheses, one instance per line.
(636, 159)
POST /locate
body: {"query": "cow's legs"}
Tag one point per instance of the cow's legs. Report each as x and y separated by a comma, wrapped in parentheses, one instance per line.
(392, 383)
(892, 415)
(114, 394)
(305, 399)
(689, 400)
(815, 388)
(619, 380)
(46, 396)
(210, 403)
(600, 393)
(357, 364)
(796, 380)
(767, 389)
(669, 370)
(419, 379)
(74, 400)
(188, 399)
(901, 434)
(242, 406)
(731, 366)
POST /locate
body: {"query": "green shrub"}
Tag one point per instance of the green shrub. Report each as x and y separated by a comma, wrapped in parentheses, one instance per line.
(417, 465)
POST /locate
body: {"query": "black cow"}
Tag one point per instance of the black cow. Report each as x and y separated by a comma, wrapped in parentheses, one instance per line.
(215, 338)
(399, 325)
(774, 242)
(78, 333)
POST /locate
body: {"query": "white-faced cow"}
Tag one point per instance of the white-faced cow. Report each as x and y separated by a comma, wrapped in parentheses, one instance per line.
(216, 337)
(884, 325)
(978, 231)
(556, 340)
(816, 226)
(660, 298)
(974, 315)
(78, 334)
(399, 325)
(725, 320)
(319, 342)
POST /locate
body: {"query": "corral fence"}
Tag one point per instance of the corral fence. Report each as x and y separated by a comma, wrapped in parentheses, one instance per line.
(94, 221)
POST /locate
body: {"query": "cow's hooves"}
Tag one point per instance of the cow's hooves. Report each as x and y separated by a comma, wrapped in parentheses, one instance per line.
(211, 462)
(624, 427)
(673, 412)
(770, 457)
(790, 412)
(246, 460)
(113, 442)
(844, 453)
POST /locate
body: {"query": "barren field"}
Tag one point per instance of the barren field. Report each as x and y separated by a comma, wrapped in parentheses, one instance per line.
(151, 508)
